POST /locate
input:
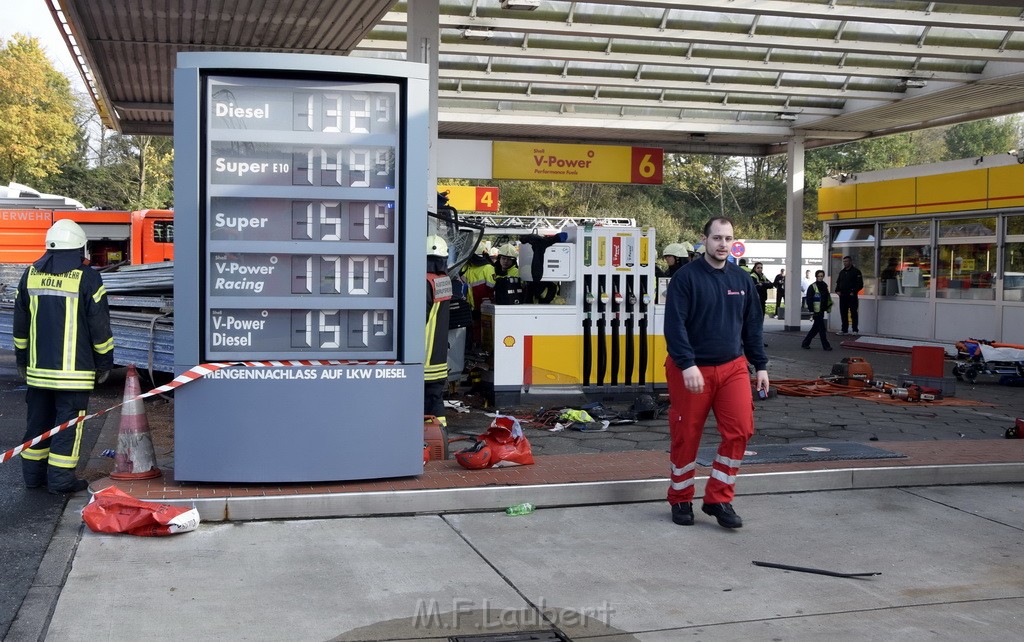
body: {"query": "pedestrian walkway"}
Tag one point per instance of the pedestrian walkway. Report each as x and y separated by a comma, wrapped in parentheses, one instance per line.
(948, 559)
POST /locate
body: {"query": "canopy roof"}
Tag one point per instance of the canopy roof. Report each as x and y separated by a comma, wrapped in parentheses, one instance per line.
(714, 76)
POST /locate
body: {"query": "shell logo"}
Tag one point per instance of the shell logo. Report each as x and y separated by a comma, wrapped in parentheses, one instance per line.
(509, 341)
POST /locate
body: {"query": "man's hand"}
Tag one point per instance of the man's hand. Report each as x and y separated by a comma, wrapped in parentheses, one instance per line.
(762, 380)
(101, 376)
(23, 373)
(694, 380)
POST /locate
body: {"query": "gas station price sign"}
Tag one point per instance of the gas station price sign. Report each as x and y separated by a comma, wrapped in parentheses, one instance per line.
(302, 197)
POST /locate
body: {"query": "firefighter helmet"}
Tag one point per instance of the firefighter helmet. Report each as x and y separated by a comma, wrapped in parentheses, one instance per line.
(65, 235)
(483, 247)
(476, 457)
(678, 250)
(437, 246)
(508, 250)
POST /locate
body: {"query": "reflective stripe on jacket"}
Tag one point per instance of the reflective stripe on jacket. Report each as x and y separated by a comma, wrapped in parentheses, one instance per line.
(62, 328)
(818, 298)
(439, 295)
(480, 279)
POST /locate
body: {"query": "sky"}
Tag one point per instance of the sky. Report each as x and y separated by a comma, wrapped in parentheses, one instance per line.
(32, 17)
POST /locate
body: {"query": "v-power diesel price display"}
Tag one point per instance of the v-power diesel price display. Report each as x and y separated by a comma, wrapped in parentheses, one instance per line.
(302, 205)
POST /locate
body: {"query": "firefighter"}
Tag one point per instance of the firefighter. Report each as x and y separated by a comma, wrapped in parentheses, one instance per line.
(676, 255)
(478, 273)
(64, 346)
(508, 259)
(439, 294)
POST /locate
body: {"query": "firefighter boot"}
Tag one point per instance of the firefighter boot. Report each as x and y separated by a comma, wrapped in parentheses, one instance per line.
(63, 480)
(34, 472)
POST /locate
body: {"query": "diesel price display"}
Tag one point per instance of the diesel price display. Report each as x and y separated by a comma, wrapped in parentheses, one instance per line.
(302, 196)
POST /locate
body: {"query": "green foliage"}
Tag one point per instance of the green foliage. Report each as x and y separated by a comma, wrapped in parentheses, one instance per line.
(981, 138)
(139, 172)
(37, 130)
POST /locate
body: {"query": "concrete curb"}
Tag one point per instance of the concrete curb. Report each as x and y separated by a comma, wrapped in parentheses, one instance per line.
(34, 615)
(489, 498)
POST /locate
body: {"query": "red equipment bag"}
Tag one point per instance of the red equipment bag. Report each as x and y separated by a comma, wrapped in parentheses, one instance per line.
(112, 510)
(506, 442)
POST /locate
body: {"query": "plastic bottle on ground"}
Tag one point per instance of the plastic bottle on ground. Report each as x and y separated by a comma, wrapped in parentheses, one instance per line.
(520, 509)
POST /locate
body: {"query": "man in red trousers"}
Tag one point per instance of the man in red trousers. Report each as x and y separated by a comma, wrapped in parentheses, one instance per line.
(713, 327)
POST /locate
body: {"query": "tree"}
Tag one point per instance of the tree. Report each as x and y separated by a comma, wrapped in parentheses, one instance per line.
(37, 129)
(981, 138)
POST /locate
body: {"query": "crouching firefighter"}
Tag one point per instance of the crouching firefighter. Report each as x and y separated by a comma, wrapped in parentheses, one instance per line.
(439, 295)
(63, 346)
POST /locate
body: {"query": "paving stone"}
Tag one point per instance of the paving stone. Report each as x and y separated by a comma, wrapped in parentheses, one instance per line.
(787, 432)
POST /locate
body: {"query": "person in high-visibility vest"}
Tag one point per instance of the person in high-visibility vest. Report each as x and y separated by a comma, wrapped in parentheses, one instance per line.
(478, 273)
(819, 302)
(63, 346)
(439, 295)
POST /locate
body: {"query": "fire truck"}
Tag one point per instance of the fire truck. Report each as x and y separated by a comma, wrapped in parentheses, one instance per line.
(130, 238)
(134, 250)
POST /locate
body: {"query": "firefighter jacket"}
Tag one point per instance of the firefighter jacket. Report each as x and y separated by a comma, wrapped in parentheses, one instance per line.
(439, 294)
(512, 271)
(62, 328)
(479, 276)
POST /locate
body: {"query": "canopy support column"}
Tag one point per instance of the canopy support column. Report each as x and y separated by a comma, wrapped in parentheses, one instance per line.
(422, 35)
(794, 230)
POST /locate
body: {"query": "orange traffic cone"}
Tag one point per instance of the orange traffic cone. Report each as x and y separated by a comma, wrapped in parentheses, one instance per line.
(134, 458)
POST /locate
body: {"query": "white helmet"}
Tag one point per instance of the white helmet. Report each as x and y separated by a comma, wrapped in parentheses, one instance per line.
(437, 246)
(678, 250)
(508, 250)
(65, 235)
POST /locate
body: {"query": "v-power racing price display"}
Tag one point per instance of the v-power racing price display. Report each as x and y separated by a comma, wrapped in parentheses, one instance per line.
(300, 222)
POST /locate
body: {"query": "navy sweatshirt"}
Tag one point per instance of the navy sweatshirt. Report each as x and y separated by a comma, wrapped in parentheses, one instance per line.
(713, 316)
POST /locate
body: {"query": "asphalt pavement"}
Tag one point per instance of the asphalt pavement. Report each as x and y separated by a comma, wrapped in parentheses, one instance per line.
(28, 517)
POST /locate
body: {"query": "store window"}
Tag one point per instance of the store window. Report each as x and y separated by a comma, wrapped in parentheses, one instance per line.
(857, 242)
(1013, 259)
(905, 259)
(966, 265)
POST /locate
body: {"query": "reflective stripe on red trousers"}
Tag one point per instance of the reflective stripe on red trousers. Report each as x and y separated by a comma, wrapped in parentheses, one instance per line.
(727, 390)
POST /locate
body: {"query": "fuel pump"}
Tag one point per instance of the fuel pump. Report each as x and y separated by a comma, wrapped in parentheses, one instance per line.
(601, 338)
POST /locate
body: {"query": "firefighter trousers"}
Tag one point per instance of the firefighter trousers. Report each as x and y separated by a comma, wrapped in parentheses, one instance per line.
(52, 461)
(727, 391)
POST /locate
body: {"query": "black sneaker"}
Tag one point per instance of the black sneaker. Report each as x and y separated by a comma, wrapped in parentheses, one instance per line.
(682, 513)
(827, 348)
(726, 516)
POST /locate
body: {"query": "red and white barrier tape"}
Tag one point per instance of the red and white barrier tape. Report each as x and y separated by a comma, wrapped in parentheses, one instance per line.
(188, 376)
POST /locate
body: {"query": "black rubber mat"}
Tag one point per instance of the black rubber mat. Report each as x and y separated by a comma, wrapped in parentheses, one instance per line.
(791, 453)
